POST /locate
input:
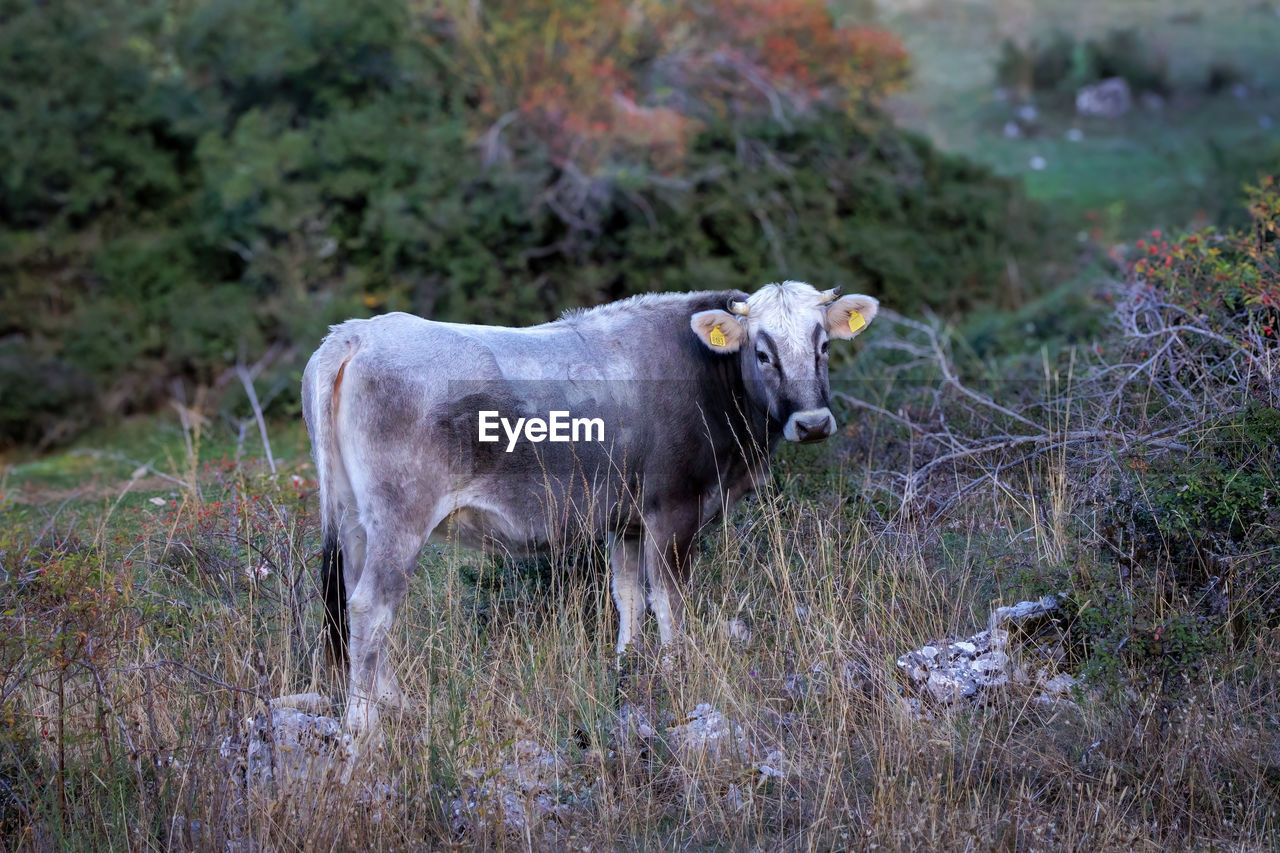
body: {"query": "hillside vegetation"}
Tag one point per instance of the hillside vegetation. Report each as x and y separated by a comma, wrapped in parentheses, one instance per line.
(193, 185)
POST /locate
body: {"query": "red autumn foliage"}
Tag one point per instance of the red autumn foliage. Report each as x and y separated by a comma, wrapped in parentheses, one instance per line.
(594, 84)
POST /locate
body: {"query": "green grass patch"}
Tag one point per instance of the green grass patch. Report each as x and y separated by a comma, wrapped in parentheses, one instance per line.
(1167, 168)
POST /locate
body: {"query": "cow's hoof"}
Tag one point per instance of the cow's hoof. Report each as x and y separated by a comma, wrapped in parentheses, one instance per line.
(361, 718)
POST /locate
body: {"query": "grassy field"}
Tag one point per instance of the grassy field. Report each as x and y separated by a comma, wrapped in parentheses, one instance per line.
(1170, 168)
(157, 581)
(148, 618)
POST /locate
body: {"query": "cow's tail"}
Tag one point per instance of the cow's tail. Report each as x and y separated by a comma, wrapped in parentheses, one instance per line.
(322, 386)
(337, 633)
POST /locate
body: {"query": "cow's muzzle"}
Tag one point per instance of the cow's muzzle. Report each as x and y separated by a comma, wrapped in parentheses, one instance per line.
(810, 425)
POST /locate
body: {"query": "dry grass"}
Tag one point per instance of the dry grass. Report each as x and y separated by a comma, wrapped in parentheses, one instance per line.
(127, 664)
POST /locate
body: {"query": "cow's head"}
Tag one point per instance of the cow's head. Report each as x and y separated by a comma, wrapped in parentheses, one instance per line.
(780, 334)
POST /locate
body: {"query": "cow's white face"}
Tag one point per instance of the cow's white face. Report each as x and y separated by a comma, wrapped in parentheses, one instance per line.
(781, 334)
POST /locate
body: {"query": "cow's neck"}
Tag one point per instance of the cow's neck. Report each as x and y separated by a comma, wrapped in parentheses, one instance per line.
(751, 427)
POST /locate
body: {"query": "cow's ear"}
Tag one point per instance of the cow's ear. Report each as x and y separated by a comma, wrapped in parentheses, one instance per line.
(719, 330)
(849, 315)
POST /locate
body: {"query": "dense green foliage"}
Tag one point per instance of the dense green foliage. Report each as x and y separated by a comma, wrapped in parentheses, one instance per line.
(186, 186)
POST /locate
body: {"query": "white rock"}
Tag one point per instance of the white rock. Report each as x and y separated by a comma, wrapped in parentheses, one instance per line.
(946, 688)
(993, 679)
(635, 722)
(707, 735)
(991, 662)
(1110, 98)
(1023, 611)
(288, 747)
(774, 764)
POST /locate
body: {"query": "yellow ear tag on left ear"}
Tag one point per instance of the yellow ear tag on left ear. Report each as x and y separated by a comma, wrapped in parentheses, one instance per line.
(717, 337)
(855, 321)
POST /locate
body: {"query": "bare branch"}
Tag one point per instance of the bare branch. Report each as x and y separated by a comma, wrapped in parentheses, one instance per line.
(247, 381)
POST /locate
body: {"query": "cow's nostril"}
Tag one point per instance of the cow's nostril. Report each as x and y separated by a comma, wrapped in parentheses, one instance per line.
(812, 429)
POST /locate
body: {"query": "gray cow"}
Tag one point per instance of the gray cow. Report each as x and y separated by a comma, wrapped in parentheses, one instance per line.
(640, 421)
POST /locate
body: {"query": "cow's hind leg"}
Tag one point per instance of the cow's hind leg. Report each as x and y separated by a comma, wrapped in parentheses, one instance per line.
(354, 545)
(389, 562)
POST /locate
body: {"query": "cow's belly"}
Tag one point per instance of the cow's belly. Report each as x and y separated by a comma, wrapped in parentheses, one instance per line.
(525, 522)
(474, 527)
(523, 517)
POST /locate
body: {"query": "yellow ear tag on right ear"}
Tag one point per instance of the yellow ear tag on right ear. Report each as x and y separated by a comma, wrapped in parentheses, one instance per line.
(717, 337)
(855, 321)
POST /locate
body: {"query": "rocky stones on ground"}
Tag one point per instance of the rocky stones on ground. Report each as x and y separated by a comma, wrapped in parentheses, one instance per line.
(523, 787)
(1020, 638)
(707, 744)
(299, 760)
(707, 738)
(634, 723)
(286, 745)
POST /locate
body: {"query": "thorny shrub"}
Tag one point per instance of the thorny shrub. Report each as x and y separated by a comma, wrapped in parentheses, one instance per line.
(1148, 457)
(113, 693)
(1205, 517)
(64, 625)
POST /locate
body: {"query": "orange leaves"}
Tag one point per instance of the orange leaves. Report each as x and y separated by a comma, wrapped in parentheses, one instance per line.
(608, 82)
(800, 46)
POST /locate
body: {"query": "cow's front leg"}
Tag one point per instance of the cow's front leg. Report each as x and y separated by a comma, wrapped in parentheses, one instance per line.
(668, 540)
(371, 609)
(626, 581)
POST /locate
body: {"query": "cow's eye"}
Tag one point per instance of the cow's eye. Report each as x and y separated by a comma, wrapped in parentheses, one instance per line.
(762, 356)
